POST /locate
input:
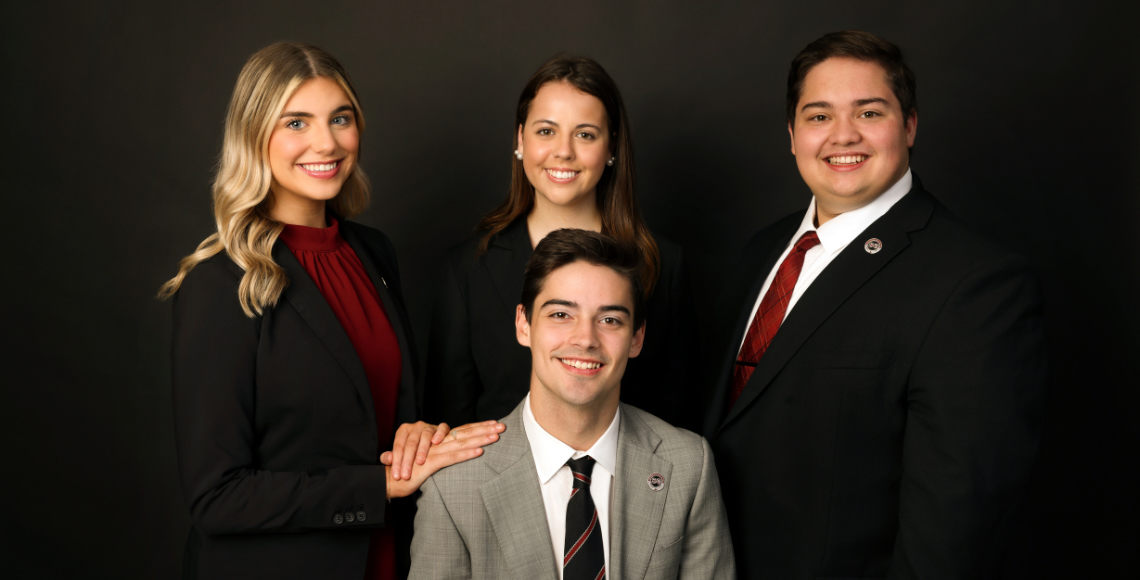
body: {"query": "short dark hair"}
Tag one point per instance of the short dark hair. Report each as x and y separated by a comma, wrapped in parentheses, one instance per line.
(566, 246)
(858, 45)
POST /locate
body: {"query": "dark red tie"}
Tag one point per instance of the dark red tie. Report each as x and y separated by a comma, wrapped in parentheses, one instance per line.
(583, 558)
(770, 314)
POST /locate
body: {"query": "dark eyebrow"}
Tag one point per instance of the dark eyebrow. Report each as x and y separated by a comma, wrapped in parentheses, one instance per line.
(816, 104)
(615, 308)
(559, 302)
(871, 101)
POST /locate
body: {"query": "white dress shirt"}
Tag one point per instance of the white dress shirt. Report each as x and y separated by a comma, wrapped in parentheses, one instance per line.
(834, 236)
(550, 457)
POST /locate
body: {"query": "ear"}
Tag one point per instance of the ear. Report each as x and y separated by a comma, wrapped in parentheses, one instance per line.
(638, 341)
(522, 327)
(911, 128)
(519, 141)
(792, 137)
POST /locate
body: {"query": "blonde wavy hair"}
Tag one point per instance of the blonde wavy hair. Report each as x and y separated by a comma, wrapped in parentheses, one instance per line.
(242, 185)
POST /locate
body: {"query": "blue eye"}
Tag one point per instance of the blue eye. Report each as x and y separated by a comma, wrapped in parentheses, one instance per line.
(295, 124)
(342, 120)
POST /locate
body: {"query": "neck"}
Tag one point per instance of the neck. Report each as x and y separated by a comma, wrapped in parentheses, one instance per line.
(311, 215)
(577, 426)
(544, 218)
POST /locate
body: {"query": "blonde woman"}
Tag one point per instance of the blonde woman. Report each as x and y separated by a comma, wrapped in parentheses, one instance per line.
(291, 350)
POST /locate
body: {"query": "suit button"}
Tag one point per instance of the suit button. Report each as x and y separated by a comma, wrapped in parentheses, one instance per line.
(349, 517)
(361, 516)
(338, 519)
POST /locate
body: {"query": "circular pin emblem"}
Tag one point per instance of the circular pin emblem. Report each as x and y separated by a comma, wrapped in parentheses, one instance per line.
(656, 481)
(873, 245)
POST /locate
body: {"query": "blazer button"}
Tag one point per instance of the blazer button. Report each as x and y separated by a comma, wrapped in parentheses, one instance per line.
(361, 516)
(349, 517)
(338, 519)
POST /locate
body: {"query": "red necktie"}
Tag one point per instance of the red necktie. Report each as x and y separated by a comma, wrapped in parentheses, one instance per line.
(770, 314)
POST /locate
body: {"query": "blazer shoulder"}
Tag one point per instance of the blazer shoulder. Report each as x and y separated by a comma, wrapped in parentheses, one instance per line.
(960, 243)
(672, 438)
(370, 236)
(464, 255)
(214, 274)
(775, 232)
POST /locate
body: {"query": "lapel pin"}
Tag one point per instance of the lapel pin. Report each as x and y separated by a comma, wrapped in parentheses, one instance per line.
(873, 245)
(656, 481)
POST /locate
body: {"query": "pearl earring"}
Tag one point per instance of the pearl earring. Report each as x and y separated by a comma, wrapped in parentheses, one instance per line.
(518, 154)
(610, 162)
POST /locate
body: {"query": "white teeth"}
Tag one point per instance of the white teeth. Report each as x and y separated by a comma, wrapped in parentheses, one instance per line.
(319, 166)
(581, 364)
(561, 174)
(846, 159)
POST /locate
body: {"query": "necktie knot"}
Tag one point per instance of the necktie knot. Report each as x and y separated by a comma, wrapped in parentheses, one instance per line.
(806, 242)
(582, 468)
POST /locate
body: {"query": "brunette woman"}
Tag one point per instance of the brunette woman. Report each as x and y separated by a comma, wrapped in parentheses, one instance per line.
(292, 350)
(572, 167)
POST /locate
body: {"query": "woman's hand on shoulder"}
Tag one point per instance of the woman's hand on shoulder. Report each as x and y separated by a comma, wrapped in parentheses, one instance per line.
(420, 449)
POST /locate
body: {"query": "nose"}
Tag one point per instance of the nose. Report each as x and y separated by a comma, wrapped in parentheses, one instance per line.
(844, 131)
(564, 148)
(584, 335)
(324, 140)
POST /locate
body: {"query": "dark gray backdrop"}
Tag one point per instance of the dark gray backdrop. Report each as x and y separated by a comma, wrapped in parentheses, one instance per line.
(113, 115)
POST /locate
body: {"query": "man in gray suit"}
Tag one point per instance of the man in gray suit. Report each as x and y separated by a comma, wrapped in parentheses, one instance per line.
(651, 507)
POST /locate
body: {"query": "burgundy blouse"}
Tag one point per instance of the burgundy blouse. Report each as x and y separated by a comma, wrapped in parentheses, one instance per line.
(342, 280)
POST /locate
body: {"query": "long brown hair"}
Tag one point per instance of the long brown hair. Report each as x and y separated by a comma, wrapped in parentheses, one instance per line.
(616, 201)
(242, 183)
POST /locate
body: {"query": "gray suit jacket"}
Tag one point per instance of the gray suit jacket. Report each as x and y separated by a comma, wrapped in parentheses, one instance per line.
(485, 518)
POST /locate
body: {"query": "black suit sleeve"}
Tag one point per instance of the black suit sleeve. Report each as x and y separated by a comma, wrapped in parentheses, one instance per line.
(974, 405)
(225, 477)
(451, 377)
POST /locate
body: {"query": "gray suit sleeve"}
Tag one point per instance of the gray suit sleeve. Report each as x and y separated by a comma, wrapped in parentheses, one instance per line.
(708, 546)
(438, 550)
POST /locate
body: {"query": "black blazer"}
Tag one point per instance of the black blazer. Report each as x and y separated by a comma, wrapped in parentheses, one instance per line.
(476, 369)
(890, 428)
(276, 433)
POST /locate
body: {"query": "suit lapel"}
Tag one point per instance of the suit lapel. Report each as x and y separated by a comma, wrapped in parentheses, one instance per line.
(850, 270)
(513, 502)
(506, 260)
(306, 299)
(637, 509)
(375, 267)
(758, 260)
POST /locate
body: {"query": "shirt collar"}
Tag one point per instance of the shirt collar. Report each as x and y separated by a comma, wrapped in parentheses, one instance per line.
(550, 454)
(841, 229)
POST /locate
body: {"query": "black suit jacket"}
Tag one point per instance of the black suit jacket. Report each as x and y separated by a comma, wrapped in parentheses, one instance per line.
(477, 370)
(276, 433)
(891, 425)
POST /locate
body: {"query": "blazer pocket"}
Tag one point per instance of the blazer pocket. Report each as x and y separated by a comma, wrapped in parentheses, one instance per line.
(665, 562)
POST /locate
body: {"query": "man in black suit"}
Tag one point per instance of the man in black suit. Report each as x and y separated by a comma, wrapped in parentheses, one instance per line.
(878, 407)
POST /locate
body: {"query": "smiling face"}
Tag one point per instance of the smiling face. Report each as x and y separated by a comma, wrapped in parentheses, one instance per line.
(581, 334)
(312, 151)
(849, 135)
(565, 144)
